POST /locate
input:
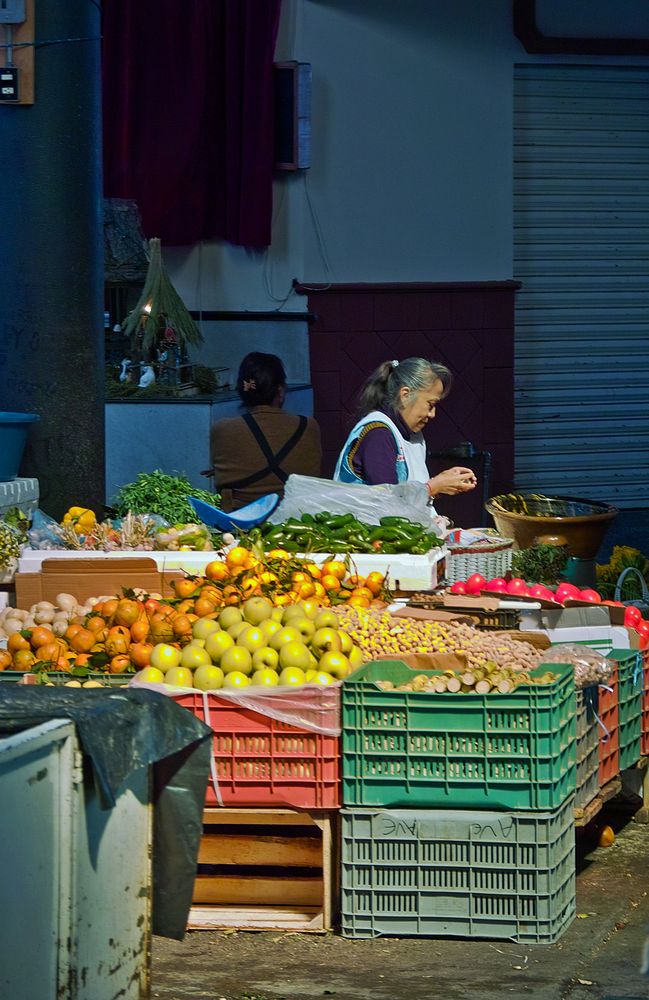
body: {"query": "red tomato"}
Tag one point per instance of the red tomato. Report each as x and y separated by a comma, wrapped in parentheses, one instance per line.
(642, 628)
(591, 596)
(632, 616)
(498, 585)
(567, 592)
(517, 587)
(458, 588)
(475, 583)
(538, 590)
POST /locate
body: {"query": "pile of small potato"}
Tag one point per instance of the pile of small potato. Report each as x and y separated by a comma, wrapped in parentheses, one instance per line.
(378, 634)
(489, 679)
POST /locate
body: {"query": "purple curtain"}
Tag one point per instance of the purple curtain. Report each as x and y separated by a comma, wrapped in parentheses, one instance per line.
(188, 116)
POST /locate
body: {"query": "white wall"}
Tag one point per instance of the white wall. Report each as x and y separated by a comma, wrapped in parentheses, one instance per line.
(412, 153)
(412, 119)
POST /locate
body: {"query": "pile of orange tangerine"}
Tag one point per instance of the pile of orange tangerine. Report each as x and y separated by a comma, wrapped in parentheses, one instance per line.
(281, 578)
(119, 634)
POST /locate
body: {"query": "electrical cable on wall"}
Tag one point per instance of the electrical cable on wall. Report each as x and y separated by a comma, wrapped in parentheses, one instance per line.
(42, 43)
(267, 266)
(320, 240)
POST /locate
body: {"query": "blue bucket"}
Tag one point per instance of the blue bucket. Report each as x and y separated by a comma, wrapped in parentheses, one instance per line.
(13, 438)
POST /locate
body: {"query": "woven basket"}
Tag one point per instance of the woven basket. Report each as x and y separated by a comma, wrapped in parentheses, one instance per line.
(491, 558)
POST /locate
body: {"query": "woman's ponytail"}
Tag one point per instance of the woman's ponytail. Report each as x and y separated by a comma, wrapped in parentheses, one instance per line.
(375, 393)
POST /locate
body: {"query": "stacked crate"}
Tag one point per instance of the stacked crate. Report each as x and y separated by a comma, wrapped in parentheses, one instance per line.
(23, 494)
(644, 748)
(630, 683)
(458, 814)
(266, 859)
(621, 714)
(588, 747)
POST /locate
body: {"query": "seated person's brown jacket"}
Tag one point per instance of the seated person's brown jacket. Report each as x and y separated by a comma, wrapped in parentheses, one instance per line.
(237, 455)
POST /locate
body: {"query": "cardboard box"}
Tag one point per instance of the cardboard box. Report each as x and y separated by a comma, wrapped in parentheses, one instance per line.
(31, 560)
(84, 578)
(603, 639)
(592, 625)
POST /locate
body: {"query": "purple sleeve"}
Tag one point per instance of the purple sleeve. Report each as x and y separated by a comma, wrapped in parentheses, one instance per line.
(375, 459)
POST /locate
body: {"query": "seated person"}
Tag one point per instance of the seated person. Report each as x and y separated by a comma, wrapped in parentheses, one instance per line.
(254, 454)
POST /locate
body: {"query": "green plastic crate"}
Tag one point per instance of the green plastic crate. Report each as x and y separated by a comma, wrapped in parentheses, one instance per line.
(440, 872)
(629, 684)
(494, 751)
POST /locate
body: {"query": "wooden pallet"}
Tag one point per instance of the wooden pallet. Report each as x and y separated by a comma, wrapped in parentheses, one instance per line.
(634, 779)
(265, 869)
(585, 814)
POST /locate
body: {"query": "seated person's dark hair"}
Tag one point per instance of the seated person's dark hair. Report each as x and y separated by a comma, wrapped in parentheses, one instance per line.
(260, 379)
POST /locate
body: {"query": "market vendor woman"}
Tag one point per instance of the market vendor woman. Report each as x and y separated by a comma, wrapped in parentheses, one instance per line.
(387, 445)
(255, 453)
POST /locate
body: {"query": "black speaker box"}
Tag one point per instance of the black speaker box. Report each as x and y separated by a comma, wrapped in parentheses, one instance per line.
(292, 103)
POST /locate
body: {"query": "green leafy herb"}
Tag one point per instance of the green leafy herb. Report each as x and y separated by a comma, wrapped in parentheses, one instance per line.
(540, 563)
(162, 494)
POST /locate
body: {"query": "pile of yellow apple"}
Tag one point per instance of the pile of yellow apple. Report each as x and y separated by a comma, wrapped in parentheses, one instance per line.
(258, 644)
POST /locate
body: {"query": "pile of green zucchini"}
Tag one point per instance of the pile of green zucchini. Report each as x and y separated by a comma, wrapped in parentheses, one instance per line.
(338, 533)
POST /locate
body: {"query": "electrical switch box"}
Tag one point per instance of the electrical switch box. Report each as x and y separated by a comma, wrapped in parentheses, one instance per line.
(8, 83)
(12, 11)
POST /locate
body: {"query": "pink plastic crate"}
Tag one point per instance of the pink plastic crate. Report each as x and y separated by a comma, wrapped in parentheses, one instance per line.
(259, 761)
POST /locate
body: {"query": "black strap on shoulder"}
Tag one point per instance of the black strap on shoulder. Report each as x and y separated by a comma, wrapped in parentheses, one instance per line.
(274, 460)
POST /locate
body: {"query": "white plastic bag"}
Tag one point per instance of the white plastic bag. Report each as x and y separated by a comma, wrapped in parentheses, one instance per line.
(310, 706)
(308, 495)
(591, 667)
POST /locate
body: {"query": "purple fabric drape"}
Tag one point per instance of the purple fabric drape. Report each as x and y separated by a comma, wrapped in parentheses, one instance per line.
(188, 116)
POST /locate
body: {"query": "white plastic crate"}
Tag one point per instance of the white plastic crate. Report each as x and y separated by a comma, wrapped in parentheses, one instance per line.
(22, 493)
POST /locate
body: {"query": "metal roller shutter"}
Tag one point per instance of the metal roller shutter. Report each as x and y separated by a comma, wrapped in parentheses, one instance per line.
(581, 251)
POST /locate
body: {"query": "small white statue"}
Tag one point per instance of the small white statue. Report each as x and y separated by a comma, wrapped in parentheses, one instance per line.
(147, 377)
(125, 370)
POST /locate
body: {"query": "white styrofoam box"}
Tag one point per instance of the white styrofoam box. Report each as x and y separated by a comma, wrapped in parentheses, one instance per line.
(405, 571)
(193, 562)
(21, 493)
(604, 638)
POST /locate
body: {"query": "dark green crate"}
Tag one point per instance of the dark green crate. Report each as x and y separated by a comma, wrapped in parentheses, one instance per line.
(494, 751)
(630, 684)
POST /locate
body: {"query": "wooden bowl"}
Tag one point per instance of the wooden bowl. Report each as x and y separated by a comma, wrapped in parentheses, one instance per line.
(583, 523)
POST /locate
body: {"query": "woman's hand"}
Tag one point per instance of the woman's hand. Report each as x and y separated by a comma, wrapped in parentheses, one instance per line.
(452, 481)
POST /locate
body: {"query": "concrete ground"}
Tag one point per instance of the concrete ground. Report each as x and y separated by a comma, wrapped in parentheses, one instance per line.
(598, 958)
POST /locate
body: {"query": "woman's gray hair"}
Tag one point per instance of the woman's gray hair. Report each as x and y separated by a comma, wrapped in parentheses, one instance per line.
(382, 388)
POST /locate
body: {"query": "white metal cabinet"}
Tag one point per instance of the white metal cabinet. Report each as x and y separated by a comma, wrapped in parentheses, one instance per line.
(75, 887)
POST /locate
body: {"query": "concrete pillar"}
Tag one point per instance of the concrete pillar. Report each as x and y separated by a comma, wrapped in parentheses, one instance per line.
(51, 271)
